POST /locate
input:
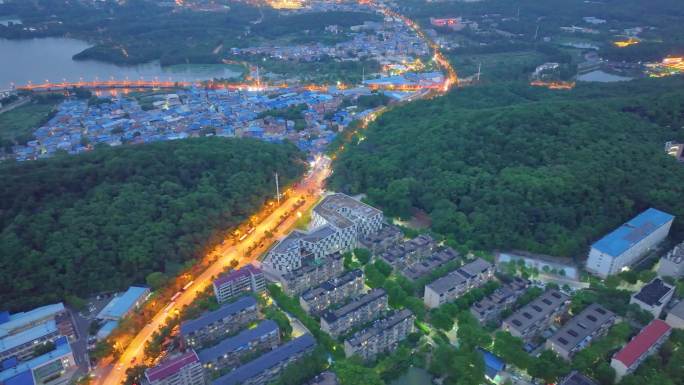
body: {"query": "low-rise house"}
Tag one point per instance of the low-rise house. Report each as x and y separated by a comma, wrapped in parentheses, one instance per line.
(247, 279)
(457, 282)
(184, 369)
(217, 324)
(653, 297)
(387, 236)
(383, 336)
(313, 273)
(427, 265)
(672, 264)
(333, 291)
(675, 317)
(266, 367)
(265, 336)
(578, 333)
(489, 308)
(640, 347)
(358, 312)
(576, 378)
(536, 316)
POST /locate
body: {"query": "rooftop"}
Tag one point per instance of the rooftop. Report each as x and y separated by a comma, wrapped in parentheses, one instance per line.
(238, 342)
(332, 284)
(632, 232)
(332, 316)
(676, 255)
(653, 292)
(171, 366)
(537, 310)
(379, 326)
(460, 275)
(640, 344)
(267, 361)
(224, 311)
(62, 348)
(246, 270)
(678, 310)
(28, 335)
(475, 267)
(576, 378)
(342, 211)
(19, 320)
(119, 306)
(588, 321)
(493, 363)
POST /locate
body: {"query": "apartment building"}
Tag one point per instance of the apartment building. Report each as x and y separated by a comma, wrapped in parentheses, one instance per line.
(640, 347)
(184, 369)
(383, 336)
(227, 353)
(427, 265)
(407, 253)
(672, 264)
(386, 237)
(266, 367)
(363, 309)
(489, 308)
(628, 243)
(537, 315)
(342, 212)
(456, 283)
(333, 291)
(237, 282)
(56, 367)
(218, 324)
(313, 273)
(579, 332)
(653, 297)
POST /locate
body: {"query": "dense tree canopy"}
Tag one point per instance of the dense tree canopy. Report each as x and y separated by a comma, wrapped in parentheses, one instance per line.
(106, 219)
(511, 166)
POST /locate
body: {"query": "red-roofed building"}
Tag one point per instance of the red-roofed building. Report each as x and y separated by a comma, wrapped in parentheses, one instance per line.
(248, 278)
(185, 369)
(644, 344)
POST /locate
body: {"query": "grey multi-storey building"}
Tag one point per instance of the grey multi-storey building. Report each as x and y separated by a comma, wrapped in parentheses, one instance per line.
(333, 291)
(218, 324)
(237, 282)
(427, 265)
(358, 312)
(457, 282)
(313, 273)
(537, 315)
(386, 237)
(383, 336)
(578, 333)
(489, 308)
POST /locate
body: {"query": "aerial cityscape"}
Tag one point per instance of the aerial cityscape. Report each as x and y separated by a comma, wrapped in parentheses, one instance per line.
(347, 192)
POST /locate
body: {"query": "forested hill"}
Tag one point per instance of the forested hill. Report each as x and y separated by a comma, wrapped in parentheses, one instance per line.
(75, 225)
(516, 167)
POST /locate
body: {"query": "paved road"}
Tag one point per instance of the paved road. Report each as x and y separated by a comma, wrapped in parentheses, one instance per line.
(310, 189)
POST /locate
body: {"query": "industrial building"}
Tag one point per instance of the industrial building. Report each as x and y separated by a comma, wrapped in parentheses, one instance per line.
(247, 279)
(122, 305)
(579, 332)
(628, 243)
(217, 324)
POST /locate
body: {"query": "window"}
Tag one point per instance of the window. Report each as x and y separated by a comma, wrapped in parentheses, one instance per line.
(537, 308)
(592, 318)
(527, 315)
(563, 341)
(547, 301)
(600, 310)
(572, 333)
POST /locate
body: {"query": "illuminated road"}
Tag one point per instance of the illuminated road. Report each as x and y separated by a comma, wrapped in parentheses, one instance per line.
(313, 183)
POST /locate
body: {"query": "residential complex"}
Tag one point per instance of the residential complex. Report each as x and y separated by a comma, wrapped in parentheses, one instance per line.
(184, 369)
(536, 316)
(407, 253)
(489, 308)
(338, 222)
(640, 347)
(628, 243)
(333, 291)
(383, 336)
(122, 305)
(227, 353)
(265, 368)
(387, 236)
(653, 297)
(457, 282)
(361, 310)
(671, 265)
(247, 279)
(218, 324)
(578, 333)
(53, 368)
(427, 265)
(313, 273)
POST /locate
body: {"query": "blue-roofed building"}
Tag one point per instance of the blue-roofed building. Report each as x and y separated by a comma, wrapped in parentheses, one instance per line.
(494, 366)
(265, 336)
(106, 330)
(22, 344)
(55, 367)
(217, 324)
(266, 367)
(628, 243)
(121, 305)
(18, 322)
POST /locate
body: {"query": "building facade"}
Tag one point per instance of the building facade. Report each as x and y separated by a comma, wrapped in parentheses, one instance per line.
(333, 291)
(653, 297)
(489, 308)
(218, 324)
(383, 336)
(578, 333)
(266, 367)
(358, 312)
(640, 347)
(247, 279)
(312, 274)
(628, 243)
(536, 316)
(265, 336)
(456, 283)
(184, 369)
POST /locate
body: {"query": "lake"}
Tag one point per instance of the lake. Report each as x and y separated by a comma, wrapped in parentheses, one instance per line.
(38, 60)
